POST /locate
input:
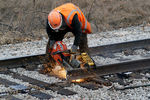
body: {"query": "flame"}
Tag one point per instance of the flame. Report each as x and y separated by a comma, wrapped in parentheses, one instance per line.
(78, 80)
(59, 71)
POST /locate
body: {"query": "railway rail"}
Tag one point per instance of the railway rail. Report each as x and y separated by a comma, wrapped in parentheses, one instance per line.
(106, 50)
(99, 71)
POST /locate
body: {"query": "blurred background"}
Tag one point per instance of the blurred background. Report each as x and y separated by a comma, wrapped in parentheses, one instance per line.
(24, 20)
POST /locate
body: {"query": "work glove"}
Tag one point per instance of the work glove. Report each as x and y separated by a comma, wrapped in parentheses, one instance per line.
(51, 43)
(74, 49)
(50, 46)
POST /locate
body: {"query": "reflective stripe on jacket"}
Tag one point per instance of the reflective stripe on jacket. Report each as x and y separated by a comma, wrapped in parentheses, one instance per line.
(68, 10)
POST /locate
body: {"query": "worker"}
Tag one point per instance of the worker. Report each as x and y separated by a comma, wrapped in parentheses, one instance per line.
(67, 18)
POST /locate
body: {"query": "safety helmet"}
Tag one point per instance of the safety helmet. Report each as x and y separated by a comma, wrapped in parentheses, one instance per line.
(59, 46)
(55, 20)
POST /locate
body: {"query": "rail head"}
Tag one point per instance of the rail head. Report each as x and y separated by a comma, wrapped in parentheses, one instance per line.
(14, 62)
(101, 70)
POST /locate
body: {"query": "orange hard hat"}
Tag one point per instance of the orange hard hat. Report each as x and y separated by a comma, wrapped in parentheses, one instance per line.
(55, 19)
(59, 46)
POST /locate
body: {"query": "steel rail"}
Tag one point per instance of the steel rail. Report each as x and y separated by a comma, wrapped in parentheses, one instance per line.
(118, 47)
(101, 70)
(100, 50)
(15, 62)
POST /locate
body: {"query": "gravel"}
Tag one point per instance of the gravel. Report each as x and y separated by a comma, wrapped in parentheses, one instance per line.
(121, 57)
(103, 38)
(36, 75)
(3, 88)
(97, 39)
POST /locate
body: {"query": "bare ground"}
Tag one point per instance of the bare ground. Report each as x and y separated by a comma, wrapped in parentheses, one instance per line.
(24, 20)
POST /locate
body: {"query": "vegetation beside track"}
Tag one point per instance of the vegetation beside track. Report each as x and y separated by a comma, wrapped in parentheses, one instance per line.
(24, 20)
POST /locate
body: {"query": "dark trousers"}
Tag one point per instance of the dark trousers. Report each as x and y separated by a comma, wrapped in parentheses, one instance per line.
(83, 46)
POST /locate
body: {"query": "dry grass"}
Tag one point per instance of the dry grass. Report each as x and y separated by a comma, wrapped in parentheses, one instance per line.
(24, 20)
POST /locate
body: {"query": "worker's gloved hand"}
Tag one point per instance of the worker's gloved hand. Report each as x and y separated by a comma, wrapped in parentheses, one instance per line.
(74, 49)
(51, 43)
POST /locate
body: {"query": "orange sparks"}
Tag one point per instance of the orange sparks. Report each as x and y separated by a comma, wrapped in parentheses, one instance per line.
(78, 80)
(59, 71)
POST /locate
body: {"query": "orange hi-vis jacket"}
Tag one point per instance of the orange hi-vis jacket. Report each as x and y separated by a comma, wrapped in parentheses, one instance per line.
(68, 10)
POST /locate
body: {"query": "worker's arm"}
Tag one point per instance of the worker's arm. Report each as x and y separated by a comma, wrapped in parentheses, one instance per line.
(76, 30)
(48, 29)
(50, 35)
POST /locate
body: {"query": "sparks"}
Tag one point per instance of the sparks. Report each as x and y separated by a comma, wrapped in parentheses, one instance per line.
(59, 71)
(78, 80)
